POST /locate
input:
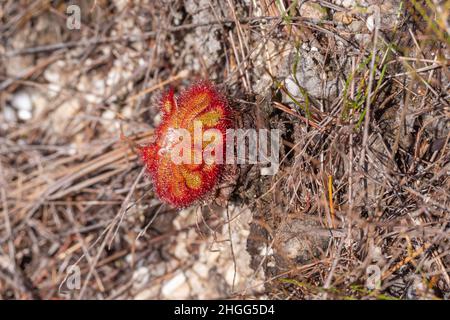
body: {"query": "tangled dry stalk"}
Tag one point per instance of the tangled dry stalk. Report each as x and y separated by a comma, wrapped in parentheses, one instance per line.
(359, 207)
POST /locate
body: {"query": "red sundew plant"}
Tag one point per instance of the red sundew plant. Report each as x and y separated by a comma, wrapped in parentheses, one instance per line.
(184, 184)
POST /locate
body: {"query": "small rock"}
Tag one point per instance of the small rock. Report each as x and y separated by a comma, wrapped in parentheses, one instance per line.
(158, 270)
(370, 23)
(342, 17)
(356, 26)
(200, 269)
(147, 294)
(24, 115)
(313, 11)
(176, 287)
(140, 277)
(109, 115)
(374, 19)
(231, 275)
(348, 3)
(265, 251)
(292, 87)
(22, 102)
